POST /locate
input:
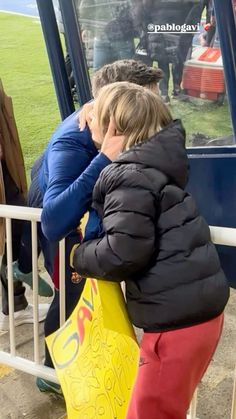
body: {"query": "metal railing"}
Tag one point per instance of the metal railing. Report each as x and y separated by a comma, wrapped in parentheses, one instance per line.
(9, 358)
(220, 235)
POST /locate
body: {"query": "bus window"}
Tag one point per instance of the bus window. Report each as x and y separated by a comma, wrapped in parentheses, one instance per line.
(180, 37)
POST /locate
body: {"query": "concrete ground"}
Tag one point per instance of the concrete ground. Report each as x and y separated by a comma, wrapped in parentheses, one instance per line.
(215, 391)
(19, 397)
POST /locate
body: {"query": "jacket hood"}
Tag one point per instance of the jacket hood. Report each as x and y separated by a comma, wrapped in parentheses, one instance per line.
(165, 151)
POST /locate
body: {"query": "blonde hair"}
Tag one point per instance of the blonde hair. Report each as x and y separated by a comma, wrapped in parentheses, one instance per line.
(138, 113)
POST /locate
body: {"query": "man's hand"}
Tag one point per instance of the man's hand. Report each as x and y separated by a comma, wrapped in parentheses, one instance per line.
(112, 145)
(85, 115)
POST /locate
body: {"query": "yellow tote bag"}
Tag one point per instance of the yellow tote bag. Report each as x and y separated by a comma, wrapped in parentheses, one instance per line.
(96, 355)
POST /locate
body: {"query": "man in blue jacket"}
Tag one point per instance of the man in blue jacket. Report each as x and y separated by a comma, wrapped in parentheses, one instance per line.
(63, 179)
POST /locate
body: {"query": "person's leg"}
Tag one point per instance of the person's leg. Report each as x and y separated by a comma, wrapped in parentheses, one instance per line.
(73, 290)
(22, 269)
(69, 70)
(102, 53)
(34, 199)
(68, 65)
(164, 82)
(20, 301)
(23, 311)
(52, 322)
(25, 249)
(123, 50)
(172, 365)
(13, 197)
(177, 67)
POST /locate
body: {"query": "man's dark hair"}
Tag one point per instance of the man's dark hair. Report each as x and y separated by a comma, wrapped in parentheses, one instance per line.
(125, 70)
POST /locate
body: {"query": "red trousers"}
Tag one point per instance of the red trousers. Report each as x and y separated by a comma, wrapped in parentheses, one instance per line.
(171, 367)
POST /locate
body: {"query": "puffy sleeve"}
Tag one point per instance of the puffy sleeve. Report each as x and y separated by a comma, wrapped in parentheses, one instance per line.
(129, 241)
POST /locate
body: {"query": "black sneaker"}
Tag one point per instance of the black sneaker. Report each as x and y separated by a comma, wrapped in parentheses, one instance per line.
(176, 93)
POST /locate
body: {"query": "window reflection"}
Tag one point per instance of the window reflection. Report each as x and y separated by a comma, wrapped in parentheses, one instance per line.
(180, 37)
(110, 26)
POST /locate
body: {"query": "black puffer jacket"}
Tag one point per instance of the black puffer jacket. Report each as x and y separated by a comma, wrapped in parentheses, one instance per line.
(155, 238)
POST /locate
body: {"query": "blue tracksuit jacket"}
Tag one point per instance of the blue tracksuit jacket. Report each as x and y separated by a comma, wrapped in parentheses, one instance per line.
(70, 168)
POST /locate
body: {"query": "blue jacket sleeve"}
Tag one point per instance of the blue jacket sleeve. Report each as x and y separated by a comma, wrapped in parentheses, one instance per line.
(72, 176)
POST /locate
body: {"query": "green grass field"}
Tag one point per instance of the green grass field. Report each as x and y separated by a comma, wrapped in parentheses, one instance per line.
(203, 117)
(26, 76)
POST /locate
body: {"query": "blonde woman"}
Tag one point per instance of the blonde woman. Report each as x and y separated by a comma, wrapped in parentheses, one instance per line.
(155, 240)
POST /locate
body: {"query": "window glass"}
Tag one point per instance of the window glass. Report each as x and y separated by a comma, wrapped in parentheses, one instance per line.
(178, 36)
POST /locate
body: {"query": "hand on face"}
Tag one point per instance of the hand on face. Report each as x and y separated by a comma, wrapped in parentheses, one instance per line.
(112, 145)
(85, 115)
